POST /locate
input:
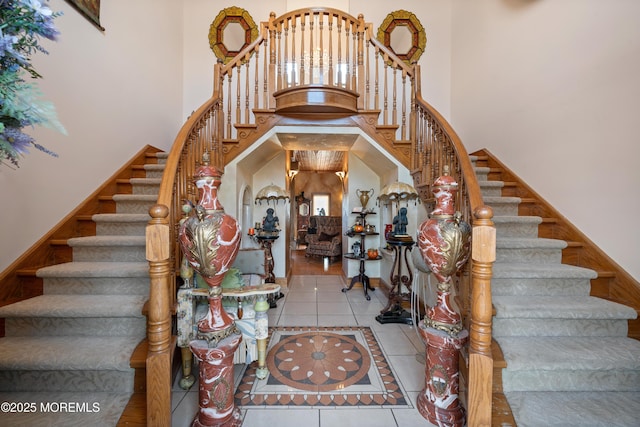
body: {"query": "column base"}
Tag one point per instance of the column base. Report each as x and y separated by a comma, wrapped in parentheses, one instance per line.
(449, 417)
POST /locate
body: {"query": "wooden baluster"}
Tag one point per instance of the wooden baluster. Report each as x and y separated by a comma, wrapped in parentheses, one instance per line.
(256, 97)
(360, 75)
(394, 108)
(321, 48)
(480, 381)
(238, 96)
(347, 77)
(385, 92)
(272, 60)
(340, 70)
(367, 90)
(279, 72)
(403, 127)
(247, 92)
(229, 98)
(354, 60)
(294, 68)
(302, 23)
(285, 72)
(376, 95)
(312, 50)
(331, 81)
(158, 361)
(265, 70)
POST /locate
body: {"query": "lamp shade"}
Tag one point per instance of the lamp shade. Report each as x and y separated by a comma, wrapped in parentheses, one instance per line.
(271, 192)
(397, 192)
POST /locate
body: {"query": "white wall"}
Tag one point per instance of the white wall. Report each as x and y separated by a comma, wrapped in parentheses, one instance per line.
(114, 92)
(552, 89)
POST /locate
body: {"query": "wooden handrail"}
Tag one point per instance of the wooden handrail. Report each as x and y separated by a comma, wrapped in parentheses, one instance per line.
(351, 59)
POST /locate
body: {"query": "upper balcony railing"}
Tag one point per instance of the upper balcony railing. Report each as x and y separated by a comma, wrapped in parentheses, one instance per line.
(328, 54)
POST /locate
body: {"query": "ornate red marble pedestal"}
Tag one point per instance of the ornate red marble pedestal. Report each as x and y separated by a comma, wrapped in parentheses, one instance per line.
(216, 383)
(438, 402)
(444, 241)
(210, 240)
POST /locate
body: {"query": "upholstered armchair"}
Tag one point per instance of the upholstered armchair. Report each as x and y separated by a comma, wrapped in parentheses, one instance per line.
(244, 299)
(327, 240)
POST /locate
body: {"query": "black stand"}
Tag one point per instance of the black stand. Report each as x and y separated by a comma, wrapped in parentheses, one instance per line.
(393, 312)
(361, 277)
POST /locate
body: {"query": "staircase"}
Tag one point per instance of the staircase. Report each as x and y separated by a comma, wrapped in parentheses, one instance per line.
(568, 359)
(65, 357)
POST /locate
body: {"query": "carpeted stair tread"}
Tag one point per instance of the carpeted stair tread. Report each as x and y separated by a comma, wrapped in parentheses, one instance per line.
(517, 270)
(67, 353)
(145, 181)
(584, 409)
(136, 197)
(560, 307)
(497, 220)
(529, 243)
(95, 269)
(91, 241)
(49, 413)
(570, 353)
(76, 306)
(491, 200)
(122, 217)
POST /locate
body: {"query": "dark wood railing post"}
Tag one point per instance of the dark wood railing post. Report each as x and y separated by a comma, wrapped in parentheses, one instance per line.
(480, 358)
(159, 319)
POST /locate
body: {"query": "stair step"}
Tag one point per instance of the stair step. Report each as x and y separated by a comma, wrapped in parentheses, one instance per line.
(560, 316)
(121, 224)
(482, 173)
(540, 279)
(108, 248)
(503, 205)
(81, 315)
(536, 250)
(89, 409)
(67, 363)
(584, 409)
(145, 185)
(99, 278)
(154, 171)
(570, 364)
(517, 226)
(491, 188)
(134, 203)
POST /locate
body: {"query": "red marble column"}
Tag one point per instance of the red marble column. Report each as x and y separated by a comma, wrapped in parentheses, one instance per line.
(439, 402)
(216, 383)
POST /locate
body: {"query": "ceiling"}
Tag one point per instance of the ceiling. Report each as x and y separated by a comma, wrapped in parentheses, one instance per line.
(321, 152)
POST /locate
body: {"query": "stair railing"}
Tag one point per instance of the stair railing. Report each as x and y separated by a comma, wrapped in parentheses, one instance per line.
(308, 47)
(437, 145)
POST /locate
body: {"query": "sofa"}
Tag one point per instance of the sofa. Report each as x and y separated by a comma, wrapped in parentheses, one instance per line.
(327, 239)
(244, 295)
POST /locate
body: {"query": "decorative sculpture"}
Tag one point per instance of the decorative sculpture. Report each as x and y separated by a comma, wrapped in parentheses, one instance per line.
(270, 222)
(210, 240)
(444, 241)
(400, 223)
(364, 197)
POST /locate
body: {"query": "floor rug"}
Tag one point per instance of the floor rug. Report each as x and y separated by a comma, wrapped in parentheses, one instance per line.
(322, 367)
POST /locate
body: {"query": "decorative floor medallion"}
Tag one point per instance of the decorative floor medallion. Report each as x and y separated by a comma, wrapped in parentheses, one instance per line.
(324, 367)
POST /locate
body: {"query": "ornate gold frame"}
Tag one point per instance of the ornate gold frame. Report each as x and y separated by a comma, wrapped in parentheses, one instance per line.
(409, 20)
(216, 31)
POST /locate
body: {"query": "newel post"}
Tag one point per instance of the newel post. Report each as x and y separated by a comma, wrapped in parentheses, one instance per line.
(159, 319)
(480, 358)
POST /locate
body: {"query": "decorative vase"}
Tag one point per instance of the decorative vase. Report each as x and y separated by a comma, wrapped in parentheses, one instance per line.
(210, 240)
(364, 196)
(444, 241)
(372, 253)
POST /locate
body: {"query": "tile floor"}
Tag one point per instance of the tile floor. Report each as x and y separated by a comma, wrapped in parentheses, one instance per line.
(318, 300)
